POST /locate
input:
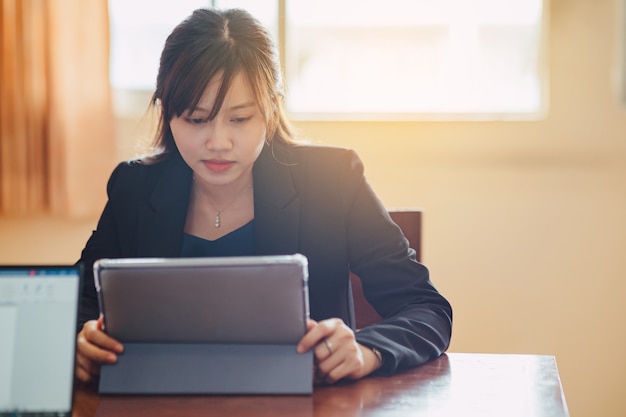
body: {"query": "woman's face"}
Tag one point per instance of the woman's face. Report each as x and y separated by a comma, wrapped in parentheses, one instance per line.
(222, 151)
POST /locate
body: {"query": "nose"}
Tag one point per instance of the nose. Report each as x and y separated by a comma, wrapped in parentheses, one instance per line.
(218, 136)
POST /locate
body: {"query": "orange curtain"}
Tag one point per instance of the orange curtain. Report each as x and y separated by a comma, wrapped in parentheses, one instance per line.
(57, 143)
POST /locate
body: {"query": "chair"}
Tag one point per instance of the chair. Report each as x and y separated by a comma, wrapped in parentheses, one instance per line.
(410, 221)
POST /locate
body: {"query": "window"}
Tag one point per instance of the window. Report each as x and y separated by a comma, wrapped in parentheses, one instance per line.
(139, 29)
(365, 59)
(415, 58)
(138, 32)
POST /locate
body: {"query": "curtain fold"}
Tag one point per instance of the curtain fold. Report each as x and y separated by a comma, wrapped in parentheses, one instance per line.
(57, 143)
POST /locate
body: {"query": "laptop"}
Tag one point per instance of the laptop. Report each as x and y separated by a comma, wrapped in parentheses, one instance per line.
(38, 318)
(222, 325)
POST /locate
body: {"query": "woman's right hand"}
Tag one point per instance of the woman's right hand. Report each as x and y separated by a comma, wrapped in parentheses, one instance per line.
(93, 348)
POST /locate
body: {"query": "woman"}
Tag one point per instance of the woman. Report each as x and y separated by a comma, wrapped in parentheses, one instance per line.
(226, 178)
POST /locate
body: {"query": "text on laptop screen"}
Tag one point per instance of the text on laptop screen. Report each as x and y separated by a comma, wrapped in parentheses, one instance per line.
(38, 311)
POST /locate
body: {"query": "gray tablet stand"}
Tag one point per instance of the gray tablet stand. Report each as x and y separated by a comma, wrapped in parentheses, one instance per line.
(199, 368)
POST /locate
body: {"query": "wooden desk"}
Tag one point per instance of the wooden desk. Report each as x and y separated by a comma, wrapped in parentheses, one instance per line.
(456, 384)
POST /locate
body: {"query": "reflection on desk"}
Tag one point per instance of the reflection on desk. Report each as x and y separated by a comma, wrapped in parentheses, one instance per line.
(456, 384)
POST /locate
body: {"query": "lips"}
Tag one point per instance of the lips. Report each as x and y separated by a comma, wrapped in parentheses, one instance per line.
(218, 165)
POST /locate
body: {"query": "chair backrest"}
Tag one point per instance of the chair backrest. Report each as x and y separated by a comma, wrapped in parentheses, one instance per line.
(410, 221)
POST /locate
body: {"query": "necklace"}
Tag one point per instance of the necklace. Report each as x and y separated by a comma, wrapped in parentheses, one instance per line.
(218, 212)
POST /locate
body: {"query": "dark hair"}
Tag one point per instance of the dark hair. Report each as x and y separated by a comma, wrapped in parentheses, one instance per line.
(211, 42)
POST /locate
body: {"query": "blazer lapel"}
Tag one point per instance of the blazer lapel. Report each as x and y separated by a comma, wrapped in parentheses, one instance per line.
(162, 215)
(276, 203)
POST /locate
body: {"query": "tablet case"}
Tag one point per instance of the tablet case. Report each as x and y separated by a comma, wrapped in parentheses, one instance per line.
(206, 325)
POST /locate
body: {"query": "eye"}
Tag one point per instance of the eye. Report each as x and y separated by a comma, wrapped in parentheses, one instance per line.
(240, 120)
(195, 120)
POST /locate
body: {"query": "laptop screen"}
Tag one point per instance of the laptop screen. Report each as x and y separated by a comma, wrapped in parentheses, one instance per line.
(38, 314)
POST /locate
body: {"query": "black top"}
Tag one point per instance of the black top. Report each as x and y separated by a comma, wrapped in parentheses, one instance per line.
(239, 242)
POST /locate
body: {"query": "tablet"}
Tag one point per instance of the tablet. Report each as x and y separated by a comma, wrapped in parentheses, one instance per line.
(253, 299)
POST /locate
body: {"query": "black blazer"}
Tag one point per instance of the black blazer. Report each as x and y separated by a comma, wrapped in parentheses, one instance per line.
(312, 200)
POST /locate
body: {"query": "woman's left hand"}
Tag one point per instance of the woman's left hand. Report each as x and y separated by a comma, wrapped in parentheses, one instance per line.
(337, 353)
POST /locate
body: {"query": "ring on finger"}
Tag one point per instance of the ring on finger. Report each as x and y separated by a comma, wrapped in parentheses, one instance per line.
(329, 346)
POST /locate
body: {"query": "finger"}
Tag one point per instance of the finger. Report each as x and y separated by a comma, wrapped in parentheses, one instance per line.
(94, 345)
(321, 351)
(343, 364)
(344, 359)
(88, 373)
(323, 329)
(93, 352)
(342, 338)
(334, 368)
(328, 344)
(100, 323)
(337, 373)
(327, 362)
(329, 359)
(94, 334)
(310, 324)
(83, 375)
(86, 369)
(89, 366)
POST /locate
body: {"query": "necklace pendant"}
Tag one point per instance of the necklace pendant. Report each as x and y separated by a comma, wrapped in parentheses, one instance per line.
(217, 219)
